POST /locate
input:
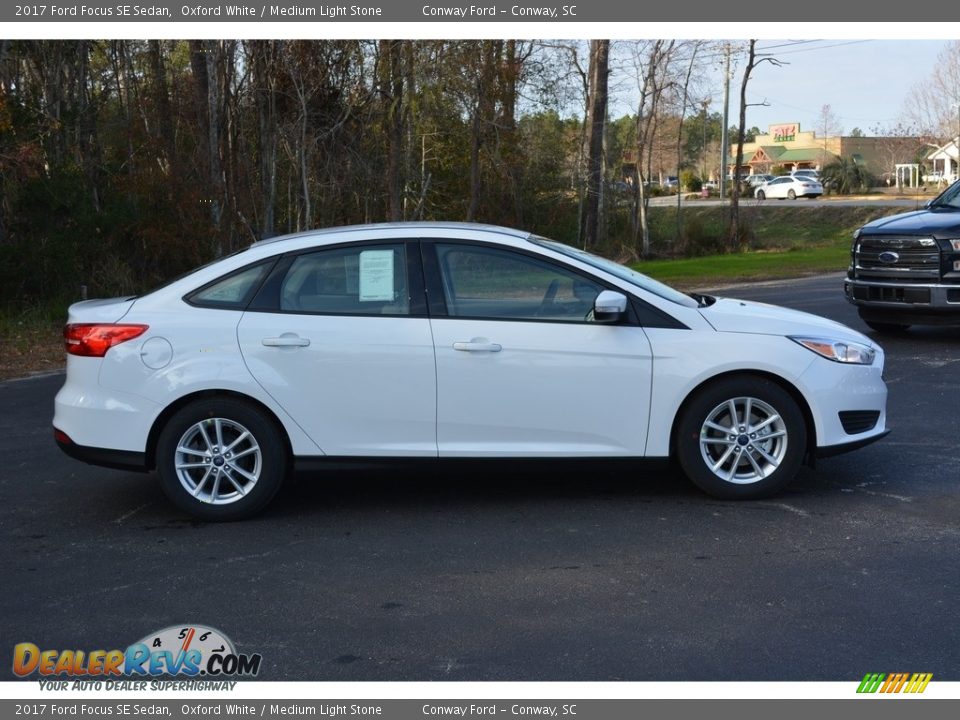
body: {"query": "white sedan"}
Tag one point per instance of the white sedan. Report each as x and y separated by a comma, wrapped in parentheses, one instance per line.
(420, 341)
(790, 188)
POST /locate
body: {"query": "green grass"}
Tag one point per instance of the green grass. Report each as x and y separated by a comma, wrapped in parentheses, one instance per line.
(756, 265)
(784, 242)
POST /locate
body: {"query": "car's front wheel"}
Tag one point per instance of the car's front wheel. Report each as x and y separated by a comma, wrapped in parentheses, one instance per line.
(741, 437)
(761, 195)
(791, 195)
(221, 459)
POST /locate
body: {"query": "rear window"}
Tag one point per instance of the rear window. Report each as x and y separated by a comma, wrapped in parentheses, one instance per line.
(233, 291)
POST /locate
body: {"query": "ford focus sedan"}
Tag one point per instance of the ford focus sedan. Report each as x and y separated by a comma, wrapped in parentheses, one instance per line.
(422, 341)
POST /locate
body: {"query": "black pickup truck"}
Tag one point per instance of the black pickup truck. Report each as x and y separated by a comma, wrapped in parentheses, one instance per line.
(905, 269)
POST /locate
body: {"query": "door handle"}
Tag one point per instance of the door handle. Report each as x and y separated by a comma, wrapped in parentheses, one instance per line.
(478, 345)
(286, 340)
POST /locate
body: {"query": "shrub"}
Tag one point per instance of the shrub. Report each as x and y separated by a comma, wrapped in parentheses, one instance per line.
(690, 181)
(845, 176)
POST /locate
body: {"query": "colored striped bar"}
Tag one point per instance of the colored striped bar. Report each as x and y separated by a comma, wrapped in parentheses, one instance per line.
(870, 682)
(918, 683)
(894, 682)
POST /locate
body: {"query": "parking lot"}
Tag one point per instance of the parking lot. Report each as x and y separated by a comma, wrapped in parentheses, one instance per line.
(577, 572)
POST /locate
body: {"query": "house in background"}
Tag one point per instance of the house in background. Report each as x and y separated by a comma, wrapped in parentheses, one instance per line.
(945, 163)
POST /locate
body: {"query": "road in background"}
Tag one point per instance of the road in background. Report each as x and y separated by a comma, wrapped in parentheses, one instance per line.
(908, 203)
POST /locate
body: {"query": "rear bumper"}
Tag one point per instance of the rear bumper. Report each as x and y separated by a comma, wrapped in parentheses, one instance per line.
(105, 457)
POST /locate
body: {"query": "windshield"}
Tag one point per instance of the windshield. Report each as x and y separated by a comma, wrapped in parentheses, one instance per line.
(949, 198)
(621, 271)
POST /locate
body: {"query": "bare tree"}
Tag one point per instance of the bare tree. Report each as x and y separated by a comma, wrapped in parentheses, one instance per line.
(262, 57)
(206, 61)
(899, 144)
(933, 104)
(753, 60)
(596, 126)
(828, 125)
(652, 60)
(391, 91)
(683, 111)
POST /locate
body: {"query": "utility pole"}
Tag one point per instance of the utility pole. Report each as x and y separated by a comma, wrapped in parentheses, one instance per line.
(724, 140)
(703, 169)
(956, 143)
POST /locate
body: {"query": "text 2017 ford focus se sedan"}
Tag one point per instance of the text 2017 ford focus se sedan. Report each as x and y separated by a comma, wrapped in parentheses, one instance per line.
(447, 340)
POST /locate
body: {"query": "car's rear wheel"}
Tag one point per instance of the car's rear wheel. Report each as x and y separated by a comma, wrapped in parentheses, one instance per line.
(741, 437)
(791, 195)
(221, 459)
(761, 195)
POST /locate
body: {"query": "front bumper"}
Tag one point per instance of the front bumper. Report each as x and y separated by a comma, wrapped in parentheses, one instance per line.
(841, 448)
(835, 389)
(892, 301)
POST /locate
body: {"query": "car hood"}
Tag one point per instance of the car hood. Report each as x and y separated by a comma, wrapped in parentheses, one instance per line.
(745, 316)
(940, 223)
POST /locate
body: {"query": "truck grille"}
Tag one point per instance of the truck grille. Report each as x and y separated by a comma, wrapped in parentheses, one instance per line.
(906, 259)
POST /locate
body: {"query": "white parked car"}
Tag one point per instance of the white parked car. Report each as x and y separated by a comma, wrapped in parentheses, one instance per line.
(449, 340)
(790, 188)
(758, 180)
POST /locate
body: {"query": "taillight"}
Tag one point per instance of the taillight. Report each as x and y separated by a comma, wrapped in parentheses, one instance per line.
(94, 339)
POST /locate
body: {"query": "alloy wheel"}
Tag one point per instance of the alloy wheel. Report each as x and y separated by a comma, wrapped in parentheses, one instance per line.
(743, 440)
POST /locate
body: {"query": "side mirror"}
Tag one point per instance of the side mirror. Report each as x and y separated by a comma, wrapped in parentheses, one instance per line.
(610, 306)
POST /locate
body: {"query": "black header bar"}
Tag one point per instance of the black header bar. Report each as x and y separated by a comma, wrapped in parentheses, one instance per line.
(420, 11)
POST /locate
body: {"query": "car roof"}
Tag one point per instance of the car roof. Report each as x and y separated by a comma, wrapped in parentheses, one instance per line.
(431, 226)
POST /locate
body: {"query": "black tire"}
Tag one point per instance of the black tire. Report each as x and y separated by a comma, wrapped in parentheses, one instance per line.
(761, 195)
(791, 195)
(696, 444)
(253, 469)
(880, 326)
(884, 327)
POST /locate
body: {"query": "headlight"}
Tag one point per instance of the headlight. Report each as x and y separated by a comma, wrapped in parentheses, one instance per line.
(838, 350)
(856, 233)
(955, 244)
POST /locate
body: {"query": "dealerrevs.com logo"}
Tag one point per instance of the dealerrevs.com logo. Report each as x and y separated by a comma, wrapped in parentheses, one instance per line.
(889, 683)
(179, 650)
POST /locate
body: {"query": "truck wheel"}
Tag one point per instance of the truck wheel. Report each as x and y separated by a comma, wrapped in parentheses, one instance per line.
(882, 327)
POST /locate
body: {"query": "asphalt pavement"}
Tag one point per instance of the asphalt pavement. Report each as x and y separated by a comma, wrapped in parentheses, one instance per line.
(582, 573)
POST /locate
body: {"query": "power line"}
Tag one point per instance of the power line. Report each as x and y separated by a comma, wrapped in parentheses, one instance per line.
(825, 47)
